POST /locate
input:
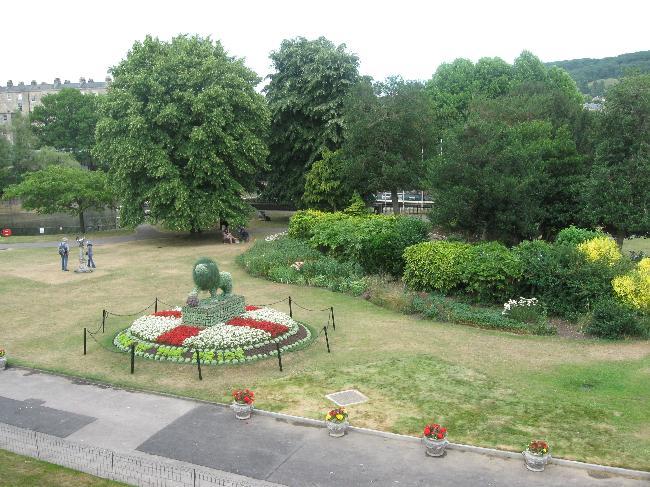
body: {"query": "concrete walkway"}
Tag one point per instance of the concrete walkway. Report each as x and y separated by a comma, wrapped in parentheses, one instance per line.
(266, 447)
(142, 232)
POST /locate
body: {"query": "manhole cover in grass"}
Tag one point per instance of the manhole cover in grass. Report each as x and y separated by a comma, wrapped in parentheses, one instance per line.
(347, 398)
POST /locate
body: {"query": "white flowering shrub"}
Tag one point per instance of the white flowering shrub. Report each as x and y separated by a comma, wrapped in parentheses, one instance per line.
(527, 310)
(226, 336)
(150, 327)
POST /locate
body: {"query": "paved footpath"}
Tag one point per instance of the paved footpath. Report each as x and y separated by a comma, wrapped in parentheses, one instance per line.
(266, 447)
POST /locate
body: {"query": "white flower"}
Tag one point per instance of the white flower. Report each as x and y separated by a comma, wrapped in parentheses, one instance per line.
(150, 327)
(226, 336)
(275, 236)
(272, 315)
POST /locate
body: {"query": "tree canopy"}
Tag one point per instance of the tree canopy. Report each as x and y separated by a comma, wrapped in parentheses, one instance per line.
(61, 189)
(390, 135)
(617, 193)
(183, 130)
(66, 121)
(305, 95)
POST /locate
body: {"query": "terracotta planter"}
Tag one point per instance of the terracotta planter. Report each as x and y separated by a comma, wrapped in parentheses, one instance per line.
(242, 411)
(435, 448)
(335, 429)
(534, 462)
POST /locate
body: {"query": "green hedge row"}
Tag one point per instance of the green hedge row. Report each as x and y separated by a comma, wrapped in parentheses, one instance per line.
(375, 242)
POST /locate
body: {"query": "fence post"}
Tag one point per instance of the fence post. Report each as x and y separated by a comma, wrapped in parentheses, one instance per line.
(155, 309)
(198, 364)
(84, 340)
(327, 340)
(333, 322)
(277, 347)
(290, 309)
(132, 358)
(103, 320)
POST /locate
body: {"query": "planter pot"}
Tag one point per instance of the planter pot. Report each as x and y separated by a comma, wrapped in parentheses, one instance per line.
(242, 411)
(535, 463)
(3, 363)
(435, 448)
(336, 430)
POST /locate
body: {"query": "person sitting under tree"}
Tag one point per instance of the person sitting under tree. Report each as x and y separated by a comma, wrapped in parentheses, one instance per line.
(229, 237)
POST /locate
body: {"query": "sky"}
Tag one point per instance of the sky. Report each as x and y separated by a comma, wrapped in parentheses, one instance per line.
(43, 40)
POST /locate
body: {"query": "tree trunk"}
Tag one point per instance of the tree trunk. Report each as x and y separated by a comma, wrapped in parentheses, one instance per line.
(620, 238)
(82, 223)
(395, 198)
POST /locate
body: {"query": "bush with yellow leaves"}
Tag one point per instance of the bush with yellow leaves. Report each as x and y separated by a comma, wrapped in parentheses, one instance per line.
(633, 288)
(602, 249)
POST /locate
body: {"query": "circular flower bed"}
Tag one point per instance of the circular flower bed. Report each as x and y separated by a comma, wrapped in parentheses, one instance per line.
(253, 335)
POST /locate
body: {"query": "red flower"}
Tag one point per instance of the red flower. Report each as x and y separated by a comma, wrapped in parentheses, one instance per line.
(427, 431)
(440, 436)
(274, 329)
(177, 335)
(252, 308)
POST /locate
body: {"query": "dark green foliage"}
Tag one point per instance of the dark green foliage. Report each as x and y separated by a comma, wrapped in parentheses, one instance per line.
(206, 278)
(563, 279)
(66, 121)
(183, 130)
(389, 135)
(327, 184)
(574, 235)
(617, 195)
(283, 252)
(491, 273)
(305, 95)
(586, 70)
(64, 189)
(612, 319)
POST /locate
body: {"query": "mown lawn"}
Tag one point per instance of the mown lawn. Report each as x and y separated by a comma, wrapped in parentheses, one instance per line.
(55, 237)
(20, 471)
(590, 399)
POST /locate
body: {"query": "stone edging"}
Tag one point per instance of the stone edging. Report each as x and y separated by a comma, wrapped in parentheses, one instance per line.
(625, 472)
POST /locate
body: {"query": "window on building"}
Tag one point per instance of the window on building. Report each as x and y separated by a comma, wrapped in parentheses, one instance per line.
(33, 97)
(4, 117)
(20, 97)
(8, 96)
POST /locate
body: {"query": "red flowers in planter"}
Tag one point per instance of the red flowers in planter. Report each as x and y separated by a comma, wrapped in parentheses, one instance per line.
(434, 431)
(168, 313)
(175, 336)
(274, 329)
(243, 396)
(252, 308)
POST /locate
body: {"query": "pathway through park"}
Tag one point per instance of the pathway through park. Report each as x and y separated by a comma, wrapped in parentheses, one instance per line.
(266, 447)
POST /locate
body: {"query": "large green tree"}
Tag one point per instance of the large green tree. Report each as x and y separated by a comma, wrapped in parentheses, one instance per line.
(329, 183)
(61, 189)
(66, 121)
(390, 134)
(618, 190)
(183, 129)
(305, 95)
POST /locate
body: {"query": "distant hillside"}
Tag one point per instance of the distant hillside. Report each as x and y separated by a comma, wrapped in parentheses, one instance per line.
(593, 75)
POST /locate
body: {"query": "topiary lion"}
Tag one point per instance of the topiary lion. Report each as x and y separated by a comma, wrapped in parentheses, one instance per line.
(207, 277)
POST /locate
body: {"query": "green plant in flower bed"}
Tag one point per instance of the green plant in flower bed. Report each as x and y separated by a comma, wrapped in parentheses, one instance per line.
(276, 260)
(575, 236)
(436, 266)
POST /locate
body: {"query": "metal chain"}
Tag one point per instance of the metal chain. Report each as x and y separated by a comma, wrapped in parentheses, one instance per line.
(130, 314)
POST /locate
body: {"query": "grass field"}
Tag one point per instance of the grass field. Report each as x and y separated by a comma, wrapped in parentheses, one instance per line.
(590, 399)
(19, 471)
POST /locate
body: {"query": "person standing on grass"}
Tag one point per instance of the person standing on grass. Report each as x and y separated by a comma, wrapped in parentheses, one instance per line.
(89, 252)
(64, 250)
